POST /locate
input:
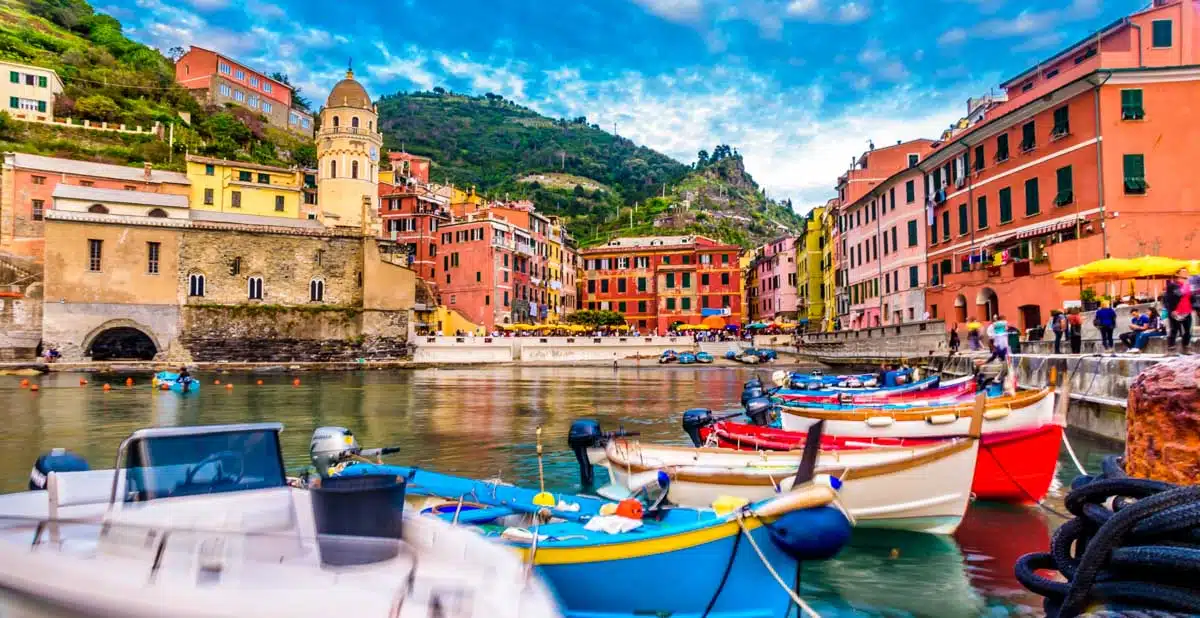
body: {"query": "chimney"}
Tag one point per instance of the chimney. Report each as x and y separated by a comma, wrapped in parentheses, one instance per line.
(146, 169)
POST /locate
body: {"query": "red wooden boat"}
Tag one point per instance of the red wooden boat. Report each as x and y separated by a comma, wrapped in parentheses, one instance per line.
(1015, 466)
(959, 389)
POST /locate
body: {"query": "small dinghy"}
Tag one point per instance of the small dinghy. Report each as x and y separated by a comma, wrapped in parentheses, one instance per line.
(172, 382)
(201, 522)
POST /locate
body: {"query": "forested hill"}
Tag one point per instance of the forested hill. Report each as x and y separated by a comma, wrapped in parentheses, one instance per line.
(602, 184)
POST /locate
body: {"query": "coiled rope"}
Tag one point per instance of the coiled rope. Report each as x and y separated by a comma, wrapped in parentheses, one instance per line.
(1141, 554)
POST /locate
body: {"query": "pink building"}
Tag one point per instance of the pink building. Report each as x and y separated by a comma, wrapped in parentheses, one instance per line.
(775, 276)
(881, 240)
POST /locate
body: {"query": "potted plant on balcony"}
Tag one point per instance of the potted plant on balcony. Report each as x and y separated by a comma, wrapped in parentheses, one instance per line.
(1089, 299)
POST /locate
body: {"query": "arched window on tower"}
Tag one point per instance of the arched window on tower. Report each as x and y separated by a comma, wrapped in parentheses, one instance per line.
(354, 122)
(336, 122)
(370, 125)
(354, 169)
(333, 169)
(316, 290)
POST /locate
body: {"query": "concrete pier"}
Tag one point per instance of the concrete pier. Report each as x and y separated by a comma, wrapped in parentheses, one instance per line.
(474, 350)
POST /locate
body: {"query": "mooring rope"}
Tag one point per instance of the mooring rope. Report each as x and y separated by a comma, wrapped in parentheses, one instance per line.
(1141, 554)
(770, 569)
(1071, 452)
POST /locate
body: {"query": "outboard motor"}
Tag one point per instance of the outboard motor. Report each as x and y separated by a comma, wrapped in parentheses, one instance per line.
(585, 434)
(57, 460)
(753, 382)
(752, 392)
(759, 411)
(330, 446)
(693, 420)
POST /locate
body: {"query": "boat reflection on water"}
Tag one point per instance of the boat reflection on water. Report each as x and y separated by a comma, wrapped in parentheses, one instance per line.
(894, 573)
(992, 536)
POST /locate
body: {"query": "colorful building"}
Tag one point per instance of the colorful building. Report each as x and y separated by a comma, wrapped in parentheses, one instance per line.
(478, 267)
(217, 79)
(1081, 162)
(348, 147)
(829, 267)
(659, 281)
(809, 274)
(245, 188)
(28, 183)
(869, 216)
(411, 218)
(30, 91)
(749, 283)
(409, 167)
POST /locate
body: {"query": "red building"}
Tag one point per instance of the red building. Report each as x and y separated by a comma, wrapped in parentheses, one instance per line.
(478, 263)
(412, 217)
(217, 80)
(657, 282)
(410, 166)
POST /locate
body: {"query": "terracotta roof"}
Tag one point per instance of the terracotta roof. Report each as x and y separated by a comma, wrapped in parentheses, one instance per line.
(87, 168)
(349, 93)
(141, 198)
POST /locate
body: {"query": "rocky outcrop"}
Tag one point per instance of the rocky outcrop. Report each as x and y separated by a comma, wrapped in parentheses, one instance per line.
(1163, 440)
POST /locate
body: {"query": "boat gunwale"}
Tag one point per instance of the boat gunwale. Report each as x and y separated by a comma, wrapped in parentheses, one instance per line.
(1015, 403)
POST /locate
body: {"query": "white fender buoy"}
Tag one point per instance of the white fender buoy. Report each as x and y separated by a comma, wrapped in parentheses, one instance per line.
(880, 421)
(941, 419)
(996, 414)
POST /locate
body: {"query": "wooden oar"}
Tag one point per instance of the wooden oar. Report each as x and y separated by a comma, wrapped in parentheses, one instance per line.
(812, 448)
(543, 498)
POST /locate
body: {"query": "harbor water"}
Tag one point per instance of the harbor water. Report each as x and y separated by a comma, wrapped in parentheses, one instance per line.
(480, 422)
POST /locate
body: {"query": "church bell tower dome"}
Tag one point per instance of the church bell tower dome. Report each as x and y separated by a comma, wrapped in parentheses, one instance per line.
(348, 146)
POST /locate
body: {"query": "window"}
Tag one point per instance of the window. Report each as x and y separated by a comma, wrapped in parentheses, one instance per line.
(724, 258)
(239, 74)
(912, 276)
(641, 306)
(885, 244)
(264, 179)
(591, 286)
(1005, 205)
(316, 291)
(981, 212)
(244, 176)
(604, 286)
(685, 303)
(195, 284)
(354, 169)
(621, 286)
(39, 180)
(913, 159)
(224, 68)
(1028, 136)
(98, 209)
(267, 87)
(670, 304)
(1062, 122)
(1161, 29)
(912, 233)
(235, 199)
(1031, 197)
(208, 197)
(278, 203)
(94, 254)
(670, 280)
(621, 307)
(1001, 148)
(946, 225)
(266, 107)
(1066, 187)
(152, 258)
(354, 122)
(641, 284)
(724, 278)
(895, 246)
(1135, 174)
(254, 288)
(910, 191)
(704, 279)
(963, 225)
(1131, 104)
(238, 95)
(254, 81)
(39, 209)
(687, 280)
(506, 298)
(979, 155)
(253, 101)
(333, 169)
(225, 90)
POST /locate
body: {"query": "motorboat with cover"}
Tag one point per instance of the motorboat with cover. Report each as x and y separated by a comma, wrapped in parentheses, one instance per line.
(201, 522)
(730, 549)
(923, 488)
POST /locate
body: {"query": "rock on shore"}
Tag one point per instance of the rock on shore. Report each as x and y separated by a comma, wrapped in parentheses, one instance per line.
(1164, 423)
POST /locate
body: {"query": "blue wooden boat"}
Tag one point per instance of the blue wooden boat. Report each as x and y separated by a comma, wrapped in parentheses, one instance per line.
(704, 357)
(687, 358)
(731, 355)
(668, 356)
(188, 385)
(926, 383)
(679, 562)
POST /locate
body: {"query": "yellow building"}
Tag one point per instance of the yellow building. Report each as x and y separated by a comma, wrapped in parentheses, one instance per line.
(245, 188)
(554, 271)
(29, 91)
(810, 275)
(828, 267)
(749, 284)
(348, 146)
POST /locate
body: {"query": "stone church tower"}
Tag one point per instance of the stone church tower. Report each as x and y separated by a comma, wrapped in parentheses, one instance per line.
(348, 146)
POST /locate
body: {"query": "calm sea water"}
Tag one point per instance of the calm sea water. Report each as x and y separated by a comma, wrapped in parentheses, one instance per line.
(481, 422)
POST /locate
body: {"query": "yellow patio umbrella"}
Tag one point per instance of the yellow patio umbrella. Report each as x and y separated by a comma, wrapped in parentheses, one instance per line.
(1100, 271)
(1157, 267)
(1194, 267)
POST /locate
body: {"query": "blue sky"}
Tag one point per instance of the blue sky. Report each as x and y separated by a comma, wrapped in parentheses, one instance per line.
(798, 86)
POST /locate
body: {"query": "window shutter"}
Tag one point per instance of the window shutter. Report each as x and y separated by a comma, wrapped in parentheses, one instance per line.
(1162, 33)
(41, 81)
(14, 77)
(981, 217)
(41, 106)
(14, 102)
(1031, 197)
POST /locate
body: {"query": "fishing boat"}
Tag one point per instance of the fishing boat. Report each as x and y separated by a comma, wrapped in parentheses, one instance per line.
(687, 358)
(201, 522)
(704, 358)
(668, 356)
(922, 488)
(1013, 466)
(167, 380)
(825, 390)
(931, 389)
(1021, 411)
(730, 549)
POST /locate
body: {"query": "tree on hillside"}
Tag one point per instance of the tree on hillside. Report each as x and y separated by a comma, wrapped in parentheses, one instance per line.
(701, 158)
(299, 101)
(97, 107)
(175, 53)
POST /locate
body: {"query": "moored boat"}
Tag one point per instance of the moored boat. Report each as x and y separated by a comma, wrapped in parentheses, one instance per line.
(687, 358)
(668, 356)
(704, 358)
(931, 389)
(167, 380)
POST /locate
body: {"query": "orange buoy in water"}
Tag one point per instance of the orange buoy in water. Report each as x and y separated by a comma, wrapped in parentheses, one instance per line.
(33, 387)
(24, 383)
(217, 382)
(229, 386)
(164, 386)
(296, 382)
(259, 382)
(128, 381)
(82, 382)
(108, 387)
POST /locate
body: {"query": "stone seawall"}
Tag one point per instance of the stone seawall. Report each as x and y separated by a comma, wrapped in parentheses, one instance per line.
(881, 343)
(557, 349)
(264, 333)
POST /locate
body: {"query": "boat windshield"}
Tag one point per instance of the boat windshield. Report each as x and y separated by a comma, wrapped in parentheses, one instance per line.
(185, 465)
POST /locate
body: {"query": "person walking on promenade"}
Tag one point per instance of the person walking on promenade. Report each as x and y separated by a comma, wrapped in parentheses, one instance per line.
(954, 342)
(973, 328)
(1058, 324)
(1106, 321)
(1075, 330)
(1178, 302)
(998, 333)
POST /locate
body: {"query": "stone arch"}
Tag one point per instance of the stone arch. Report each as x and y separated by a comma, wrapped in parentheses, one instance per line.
(987, 304)
(960, 308)
(157, 213)
(122, 332)
(99, 209)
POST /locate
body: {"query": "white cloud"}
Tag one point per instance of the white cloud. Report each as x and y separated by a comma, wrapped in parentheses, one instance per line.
(484, 77)
(953, 36)
(265, 10)
(818, 11)
(683, 11)
(208, 5)
(1038, 28)
(409, 66)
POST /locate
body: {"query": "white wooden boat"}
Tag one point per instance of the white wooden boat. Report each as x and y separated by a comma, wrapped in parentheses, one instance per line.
(1021, 412)
(922, 488)
(201, 523)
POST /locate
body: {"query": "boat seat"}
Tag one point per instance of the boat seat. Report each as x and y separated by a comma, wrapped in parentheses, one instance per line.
(477, 516)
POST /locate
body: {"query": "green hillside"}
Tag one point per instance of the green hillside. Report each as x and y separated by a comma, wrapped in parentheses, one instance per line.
(502, 149)
(108, 77)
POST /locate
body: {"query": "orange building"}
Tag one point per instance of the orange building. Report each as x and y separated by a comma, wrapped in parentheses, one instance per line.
(1084, 160)
(410, 166)
(659, 281)
(411, 216)
(28, 189)
(478, 260)
(218, 79)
